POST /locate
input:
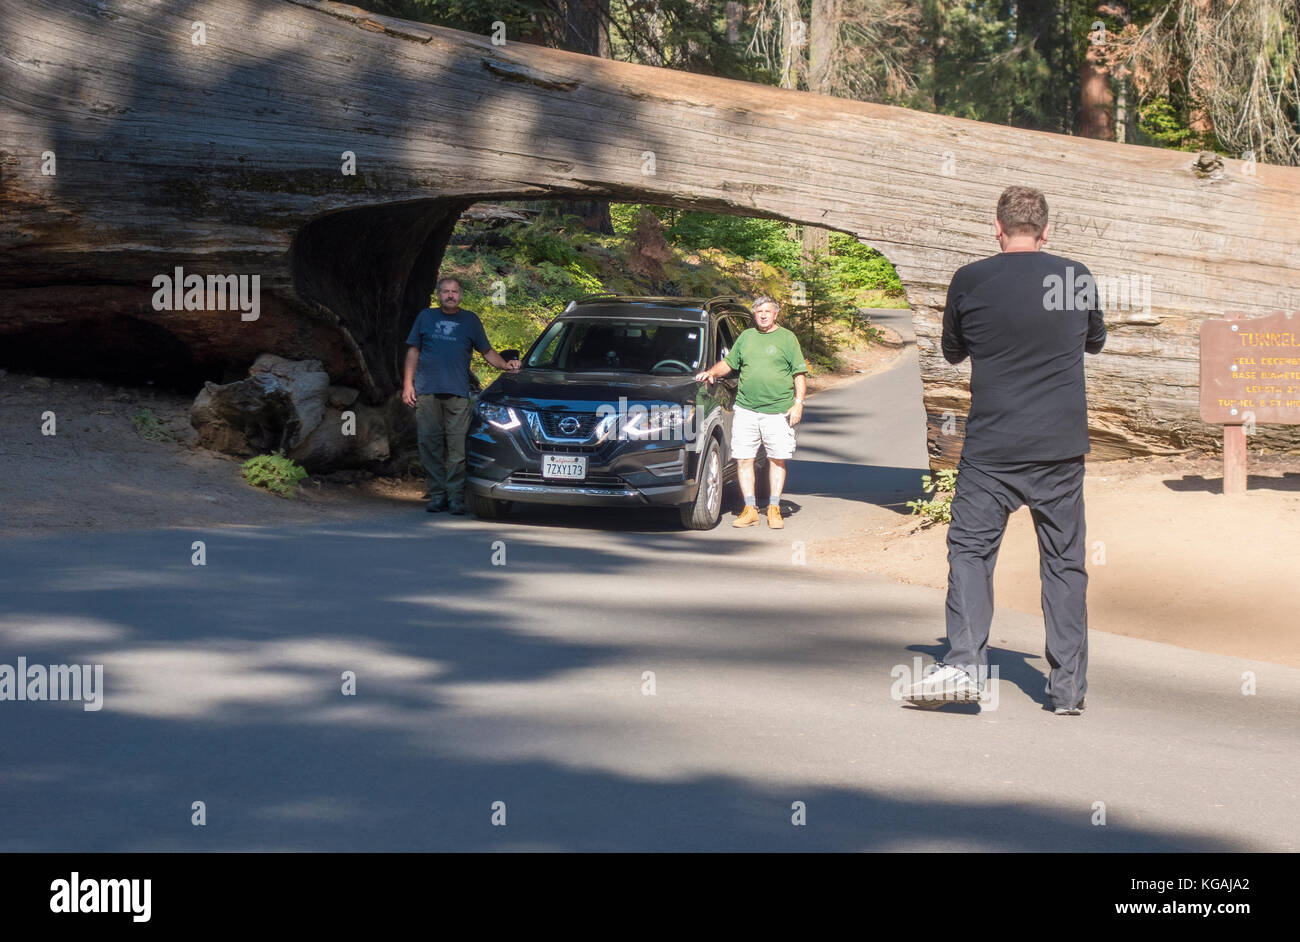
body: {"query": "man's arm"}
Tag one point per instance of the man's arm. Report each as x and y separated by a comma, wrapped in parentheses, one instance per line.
(408, 375)
(952, 343)
(716, 371)
(1096, 333)
(724, 367)
(510, 366)
(482, 345)
(795, 412)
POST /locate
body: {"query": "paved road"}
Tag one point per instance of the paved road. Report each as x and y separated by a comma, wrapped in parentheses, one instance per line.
(528, 683)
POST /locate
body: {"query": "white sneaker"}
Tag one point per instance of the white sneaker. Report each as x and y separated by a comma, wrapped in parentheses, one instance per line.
(942, 684)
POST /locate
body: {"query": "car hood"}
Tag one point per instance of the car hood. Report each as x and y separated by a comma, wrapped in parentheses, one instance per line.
(550, 389)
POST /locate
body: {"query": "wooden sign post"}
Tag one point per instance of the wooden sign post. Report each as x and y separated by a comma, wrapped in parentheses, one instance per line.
(1250, 376)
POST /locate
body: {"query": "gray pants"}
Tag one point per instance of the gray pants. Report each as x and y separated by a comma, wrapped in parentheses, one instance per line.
(986, 494)
(441, 425)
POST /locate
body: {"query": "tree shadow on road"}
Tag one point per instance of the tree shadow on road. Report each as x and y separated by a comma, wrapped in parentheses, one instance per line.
(223, 684)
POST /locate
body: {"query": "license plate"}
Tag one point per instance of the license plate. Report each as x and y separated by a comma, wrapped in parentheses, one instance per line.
(568, 467)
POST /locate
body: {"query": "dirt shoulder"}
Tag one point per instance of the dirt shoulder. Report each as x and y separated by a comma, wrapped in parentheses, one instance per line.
(97, 472)
(1171, 558)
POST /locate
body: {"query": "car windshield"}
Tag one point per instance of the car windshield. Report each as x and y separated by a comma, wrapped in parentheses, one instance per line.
(623, 346)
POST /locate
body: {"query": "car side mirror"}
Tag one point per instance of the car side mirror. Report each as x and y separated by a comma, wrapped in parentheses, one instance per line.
(510, 355)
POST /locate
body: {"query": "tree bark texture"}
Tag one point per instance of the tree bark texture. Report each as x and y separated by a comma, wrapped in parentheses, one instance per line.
(227, 157)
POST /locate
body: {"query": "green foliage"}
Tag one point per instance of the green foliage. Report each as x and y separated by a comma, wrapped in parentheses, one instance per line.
(276, 473)
(822, 302)
(678, 34)
(766, 240)
(983, 69)
(939, 508)
(539, 266)
(1162, 123)
(149, 426)
(860, 267)
(624, 216)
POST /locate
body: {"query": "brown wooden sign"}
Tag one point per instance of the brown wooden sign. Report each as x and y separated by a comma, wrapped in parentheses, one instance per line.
(1250, 375)
(1250, 370)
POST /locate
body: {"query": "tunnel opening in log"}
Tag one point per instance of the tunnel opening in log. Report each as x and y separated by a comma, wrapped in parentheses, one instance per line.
(126, 351)
(369, 270)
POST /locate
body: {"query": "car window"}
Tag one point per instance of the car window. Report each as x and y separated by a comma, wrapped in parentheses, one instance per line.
(622, 346)
(725, 338)
(548, 349)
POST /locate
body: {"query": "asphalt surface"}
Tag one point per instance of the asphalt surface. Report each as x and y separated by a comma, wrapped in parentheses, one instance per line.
(513, 662)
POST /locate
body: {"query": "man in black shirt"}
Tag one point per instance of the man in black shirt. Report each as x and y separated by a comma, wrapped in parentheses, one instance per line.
(1025, 319)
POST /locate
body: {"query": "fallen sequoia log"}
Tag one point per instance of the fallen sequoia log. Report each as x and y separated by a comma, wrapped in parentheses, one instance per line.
(231, 157)
(289, 406)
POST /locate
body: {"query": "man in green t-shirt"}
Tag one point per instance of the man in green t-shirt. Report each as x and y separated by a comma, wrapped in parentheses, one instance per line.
(769, 404)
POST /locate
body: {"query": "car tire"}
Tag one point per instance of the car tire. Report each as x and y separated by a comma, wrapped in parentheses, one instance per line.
(486, 508)
(704, 512)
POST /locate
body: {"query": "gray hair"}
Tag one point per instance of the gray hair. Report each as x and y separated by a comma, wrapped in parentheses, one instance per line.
(443, 280)
(764, 299)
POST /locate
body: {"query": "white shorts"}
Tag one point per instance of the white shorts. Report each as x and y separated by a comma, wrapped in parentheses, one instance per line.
(749, 429)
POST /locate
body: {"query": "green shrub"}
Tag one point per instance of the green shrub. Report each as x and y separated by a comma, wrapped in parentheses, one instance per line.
(1159, 121)
(766, 240)
(860, 267)
(939, 508)
(276, 473)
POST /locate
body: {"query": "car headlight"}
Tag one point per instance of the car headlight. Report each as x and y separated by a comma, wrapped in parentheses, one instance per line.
(502, 417)
(660, 421)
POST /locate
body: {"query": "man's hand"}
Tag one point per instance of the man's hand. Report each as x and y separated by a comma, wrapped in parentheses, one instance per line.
(501, 363)
(408, 394)
(794, 414)
(704, 376)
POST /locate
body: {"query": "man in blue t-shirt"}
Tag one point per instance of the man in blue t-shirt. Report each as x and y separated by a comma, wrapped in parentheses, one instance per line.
(436, 385)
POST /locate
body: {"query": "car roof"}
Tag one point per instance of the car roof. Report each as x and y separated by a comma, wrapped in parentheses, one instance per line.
(623, 306)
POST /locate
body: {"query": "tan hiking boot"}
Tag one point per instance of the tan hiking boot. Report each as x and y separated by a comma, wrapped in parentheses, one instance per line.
(774, 521)
(748, 517)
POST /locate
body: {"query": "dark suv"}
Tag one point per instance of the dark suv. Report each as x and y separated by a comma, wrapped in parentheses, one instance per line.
(605, 411)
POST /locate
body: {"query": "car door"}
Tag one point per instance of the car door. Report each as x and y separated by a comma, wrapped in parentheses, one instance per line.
(724, 389)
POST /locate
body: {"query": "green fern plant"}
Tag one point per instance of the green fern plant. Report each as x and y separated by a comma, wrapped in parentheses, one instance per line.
(276, 473)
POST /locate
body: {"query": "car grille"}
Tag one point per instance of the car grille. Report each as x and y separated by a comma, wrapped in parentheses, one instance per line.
(591, 480)
(551, 424)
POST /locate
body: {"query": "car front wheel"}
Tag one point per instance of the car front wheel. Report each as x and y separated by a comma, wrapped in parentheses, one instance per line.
(705, 511)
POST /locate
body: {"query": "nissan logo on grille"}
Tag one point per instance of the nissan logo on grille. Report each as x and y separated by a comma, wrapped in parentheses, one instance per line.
(569, 425)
